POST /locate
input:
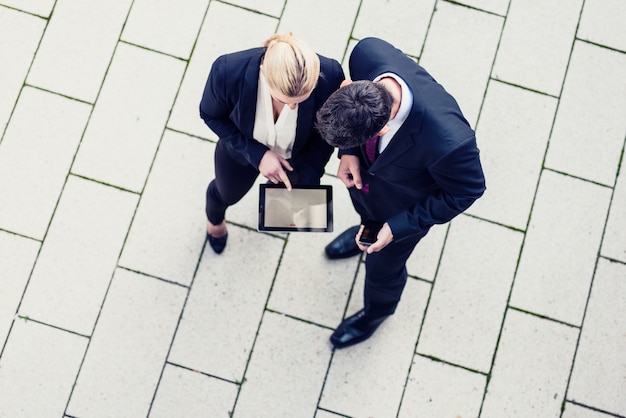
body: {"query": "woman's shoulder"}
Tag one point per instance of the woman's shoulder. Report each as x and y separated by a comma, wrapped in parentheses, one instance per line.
(234, 67)
(239, 57)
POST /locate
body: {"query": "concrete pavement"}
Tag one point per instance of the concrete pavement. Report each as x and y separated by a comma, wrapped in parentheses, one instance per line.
(111, 305)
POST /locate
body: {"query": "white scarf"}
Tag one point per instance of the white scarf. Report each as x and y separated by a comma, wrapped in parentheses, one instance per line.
(279, 136)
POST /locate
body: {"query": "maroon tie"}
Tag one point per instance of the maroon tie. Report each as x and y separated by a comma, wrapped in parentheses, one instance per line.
(371, 147)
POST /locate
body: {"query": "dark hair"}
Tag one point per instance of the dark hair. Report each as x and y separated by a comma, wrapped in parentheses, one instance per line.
(354, 113)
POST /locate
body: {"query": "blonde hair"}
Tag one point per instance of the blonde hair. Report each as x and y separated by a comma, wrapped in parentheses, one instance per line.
(290, 65)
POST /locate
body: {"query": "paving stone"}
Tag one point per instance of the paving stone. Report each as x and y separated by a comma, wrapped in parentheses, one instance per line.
(614, 241)
(220, 34)
(169, 228)
(560, 249)
(121, 153)
(436, 389)
(246, 212)
(323, 24)
(39, 365)
(41, 8)
(269, 7)
(333, 163)
(76, 48)
(345, 64)
(512, 136)
(30, 149)
(531, 368)
(461, 47)
(308, 285)
(536, 41)
(588, 134)
(424, 261)
(251, 315)
(464, 317)
(19, 36)
(16, 264)
(325, 414)
(602, 22)
(595, 379)
(187, 393)
(168, 27)
(79, 255)
(368, 379)
(126, 354)
(499, 7)
(286, 371)
(409, 30)
(576, 411)
(225, 305)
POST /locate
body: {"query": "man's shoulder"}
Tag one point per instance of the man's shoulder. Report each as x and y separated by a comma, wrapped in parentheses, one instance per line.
(374, 50)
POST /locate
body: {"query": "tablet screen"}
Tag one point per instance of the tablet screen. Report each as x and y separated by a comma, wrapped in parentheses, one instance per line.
(303, 209)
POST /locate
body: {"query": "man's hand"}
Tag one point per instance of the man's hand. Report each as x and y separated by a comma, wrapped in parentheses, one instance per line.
(271, 167)
(384, 238)
(348, 171)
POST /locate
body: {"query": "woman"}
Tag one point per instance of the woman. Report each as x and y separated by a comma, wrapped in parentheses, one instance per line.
(261, 104)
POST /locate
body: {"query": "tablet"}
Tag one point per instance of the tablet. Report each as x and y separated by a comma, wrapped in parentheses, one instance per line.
(303, 209)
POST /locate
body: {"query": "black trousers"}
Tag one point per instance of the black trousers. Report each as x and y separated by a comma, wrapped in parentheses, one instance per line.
(232, 181)
(386, 275)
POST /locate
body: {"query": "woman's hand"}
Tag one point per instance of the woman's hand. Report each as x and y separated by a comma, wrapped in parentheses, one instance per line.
(271, 167)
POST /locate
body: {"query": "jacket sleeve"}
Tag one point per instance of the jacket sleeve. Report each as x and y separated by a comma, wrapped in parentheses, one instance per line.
(348, 151)
(461, 181)
(221, 98)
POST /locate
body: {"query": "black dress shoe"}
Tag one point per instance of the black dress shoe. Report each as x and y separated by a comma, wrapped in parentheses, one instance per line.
(344, 245)
(355, 329)
(218, 244)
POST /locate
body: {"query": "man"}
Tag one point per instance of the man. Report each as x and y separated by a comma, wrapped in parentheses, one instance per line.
(409, 159)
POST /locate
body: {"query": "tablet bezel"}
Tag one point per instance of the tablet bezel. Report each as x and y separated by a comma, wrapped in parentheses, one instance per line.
(329, 208)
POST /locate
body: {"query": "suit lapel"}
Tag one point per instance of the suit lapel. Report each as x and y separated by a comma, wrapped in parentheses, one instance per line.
(400, 144)
(398, 147)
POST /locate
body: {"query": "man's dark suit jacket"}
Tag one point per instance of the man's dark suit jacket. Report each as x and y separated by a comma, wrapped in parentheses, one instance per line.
(228, 107)
(431, 171)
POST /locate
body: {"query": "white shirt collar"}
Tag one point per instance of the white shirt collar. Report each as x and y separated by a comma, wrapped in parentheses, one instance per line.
(403, 112)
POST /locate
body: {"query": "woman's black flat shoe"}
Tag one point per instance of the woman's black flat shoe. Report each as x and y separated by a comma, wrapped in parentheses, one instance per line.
(218, 244)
